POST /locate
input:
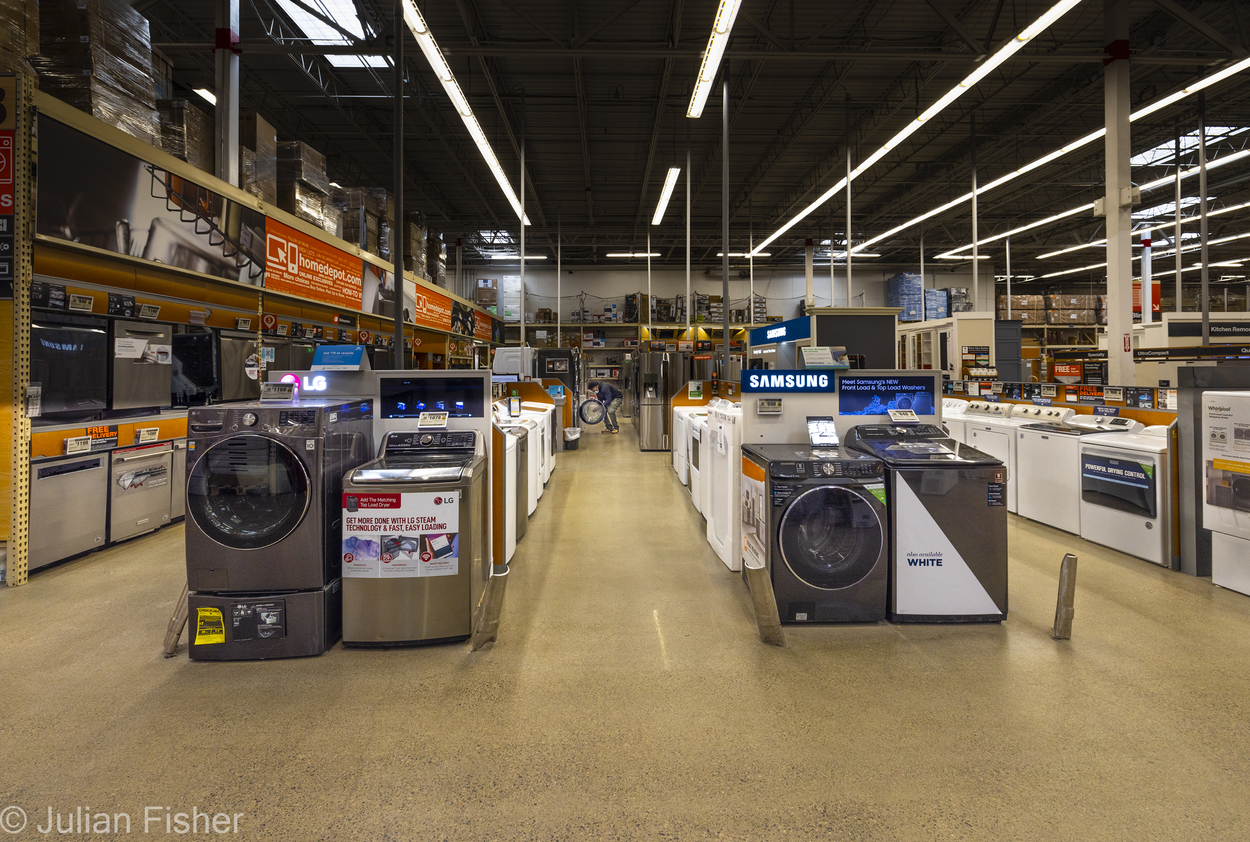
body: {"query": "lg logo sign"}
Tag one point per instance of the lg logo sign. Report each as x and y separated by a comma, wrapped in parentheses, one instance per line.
(316, 383)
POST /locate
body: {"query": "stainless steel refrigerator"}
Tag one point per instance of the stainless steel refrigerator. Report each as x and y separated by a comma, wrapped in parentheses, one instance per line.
(659, 374)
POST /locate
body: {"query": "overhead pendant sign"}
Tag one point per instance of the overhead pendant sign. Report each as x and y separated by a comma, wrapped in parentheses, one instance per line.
(301, 265)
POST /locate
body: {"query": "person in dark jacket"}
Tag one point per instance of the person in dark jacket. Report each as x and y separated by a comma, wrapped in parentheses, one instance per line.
(611, 398)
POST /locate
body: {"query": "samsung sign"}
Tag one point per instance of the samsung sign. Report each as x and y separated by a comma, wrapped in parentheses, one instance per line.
(782, 332)
(787, 381)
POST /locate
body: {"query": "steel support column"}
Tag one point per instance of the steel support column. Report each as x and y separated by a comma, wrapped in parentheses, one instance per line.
(400, 357)
(1117, 200)
(226, 57)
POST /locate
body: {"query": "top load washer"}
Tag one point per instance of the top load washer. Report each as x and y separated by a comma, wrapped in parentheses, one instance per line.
(1126, 493)
(724, 464)
(1048, 459)
(700, 470)
(948, 524)
(414, 540)
(551, 429)
(991, 428)
(263, 486)
(953, 411)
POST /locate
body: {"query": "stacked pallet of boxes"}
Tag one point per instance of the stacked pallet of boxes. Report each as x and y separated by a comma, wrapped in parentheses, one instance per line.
(936, 304)
(1071, 309)
(361, 221)
(1029, 309)
(19, 33)
(96, 55)
(486, 294)
(1100, 310)
(303, 188)
(715, 309)
(906, 291)
(634, 302)
(386, 220)
(611, 312)
(436, 258)
(759, 309)
(958, 300)
(258, 157)
(187, 133)
(510, 298)
(416, 230)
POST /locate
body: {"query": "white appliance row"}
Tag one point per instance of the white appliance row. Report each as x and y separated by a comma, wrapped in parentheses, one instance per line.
(707, 455)
(538, 420)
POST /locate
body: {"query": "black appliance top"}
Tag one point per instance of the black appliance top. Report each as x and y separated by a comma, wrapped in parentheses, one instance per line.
(906, 446)
(794, 461)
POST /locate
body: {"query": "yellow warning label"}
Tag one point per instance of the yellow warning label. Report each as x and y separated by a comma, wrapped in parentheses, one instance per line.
(209, 626)
(1228, 465)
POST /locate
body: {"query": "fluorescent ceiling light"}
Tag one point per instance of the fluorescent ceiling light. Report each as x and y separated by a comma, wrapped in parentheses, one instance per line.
(745, 254)
(632, 254)
(336, 184)
(429, 47)
(207, 94)
(716, 43)
(1166, 181)
(518, 257)
(982, 70)
(1160, 254)
(342, 12)
(1150, 108)
(1141, 231)
(667, 193)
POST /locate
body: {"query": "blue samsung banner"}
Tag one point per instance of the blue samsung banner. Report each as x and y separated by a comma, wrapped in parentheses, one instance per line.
(782, 332)
(761, 380)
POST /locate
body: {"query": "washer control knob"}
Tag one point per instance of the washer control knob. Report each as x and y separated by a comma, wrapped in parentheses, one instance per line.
(427, 439)
(249, 419)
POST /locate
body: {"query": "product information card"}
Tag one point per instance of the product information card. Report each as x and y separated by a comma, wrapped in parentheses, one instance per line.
(401, 536)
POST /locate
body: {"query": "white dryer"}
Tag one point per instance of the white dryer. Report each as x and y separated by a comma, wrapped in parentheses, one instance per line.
(535, 466)
(723, 451)
(953, 410)
(699, 472)
(509, 495)
(681, 441)
(1048, 458)
(547, 413)
(1126, 493)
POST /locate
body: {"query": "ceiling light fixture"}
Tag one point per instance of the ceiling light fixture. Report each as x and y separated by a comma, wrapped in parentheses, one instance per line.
(983, 69)
(667, 193)
(716, 43)
(425, 40)
(1148, 109)
(207, 94)
(518, 257)
(1103, 242)
(632, 254)
(745, 254)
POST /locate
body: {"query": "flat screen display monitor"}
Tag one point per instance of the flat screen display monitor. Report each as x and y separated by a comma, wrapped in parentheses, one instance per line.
(408, 397)
(877, 394)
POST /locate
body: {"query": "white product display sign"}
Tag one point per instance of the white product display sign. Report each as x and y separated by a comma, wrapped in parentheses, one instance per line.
(401, 536)
(34, 400)
(129, 348)
(1226, 486)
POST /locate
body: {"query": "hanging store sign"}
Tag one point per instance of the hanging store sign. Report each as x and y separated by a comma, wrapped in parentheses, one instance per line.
(429, 309)
(481, 326)
(298, 264)
(1218, 330)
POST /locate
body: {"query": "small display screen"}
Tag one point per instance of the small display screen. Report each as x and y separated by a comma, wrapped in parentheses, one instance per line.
(505, 378)
(878, 394)
(459, 397)
(821, 431)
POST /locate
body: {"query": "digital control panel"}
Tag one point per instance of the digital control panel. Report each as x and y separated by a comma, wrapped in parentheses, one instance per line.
(857, 468)
(448, 440)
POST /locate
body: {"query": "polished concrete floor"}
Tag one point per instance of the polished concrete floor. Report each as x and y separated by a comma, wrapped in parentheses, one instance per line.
(629, 698)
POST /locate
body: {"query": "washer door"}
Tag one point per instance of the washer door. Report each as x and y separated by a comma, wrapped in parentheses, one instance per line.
(830, 537)
(248, 492)
(591, 411)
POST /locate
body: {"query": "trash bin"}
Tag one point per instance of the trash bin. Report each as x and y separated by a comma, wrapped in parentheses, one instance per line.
(572, 436)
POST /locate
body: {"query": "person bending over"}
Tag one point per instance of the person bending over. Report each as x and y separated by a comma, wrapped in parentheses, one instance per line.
(611, 398)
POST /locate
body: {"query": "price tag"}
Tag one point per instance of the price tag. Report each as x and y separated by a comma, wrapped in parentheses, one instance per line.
(903, 416)
(81, 303)
(34, 400)
(149, 311)
(78, 444)
(147, 435)
(432, 421)
(277, 392)
(243, 324)
(768, 406)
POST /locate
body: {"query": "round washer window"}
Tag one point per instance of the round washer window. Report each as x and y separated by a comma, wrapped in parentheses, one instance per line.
(591, 411)
(248, 492)
(830, 537)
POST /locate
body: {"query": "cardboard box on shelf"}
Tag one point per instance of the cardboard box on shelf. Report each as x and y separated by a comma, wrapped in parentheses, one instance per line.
(257, 134)
(486, 296)
(1070, 317)
(187, 133)
(297, 161)
(1071, 302)
(1022, 302)
(1030, 318)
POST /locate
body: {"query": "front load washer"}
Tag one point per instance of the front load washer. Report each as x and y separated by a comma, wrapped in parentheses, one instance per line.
(817, 523)
(724, 463)
(263, 485)
(948, 524)
(1126, 493)
(263, 503)
(1048, 462)
(415, 563)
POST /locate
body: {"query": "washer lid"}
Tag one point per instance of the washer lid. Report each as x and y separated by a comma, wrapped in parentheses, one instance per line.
(429, 467)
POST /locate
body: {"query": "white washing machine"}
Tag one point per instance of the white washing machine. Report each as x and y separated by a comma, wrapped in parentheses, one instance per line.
(723, 452)
(681, 442)
(991, 428)
(1049, 467)
(539, 446)
(535, 466)
(509, 495)
(1126, 485)
(953, 410)
(698, 474)
(548, 415)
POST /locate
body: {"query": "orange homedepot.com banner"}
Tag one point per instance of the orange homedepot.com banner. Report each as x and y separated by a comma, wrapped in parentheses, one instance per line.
(302, 265)
(430, 309)
(481, 326)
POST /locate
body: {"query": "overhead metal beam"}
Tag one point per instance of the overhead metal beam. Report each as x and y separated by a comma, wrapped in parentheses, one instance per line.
(620, 10)
(1200, 26)
(955, 24)
(762, 30)
(583, 117)
(657, 117)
